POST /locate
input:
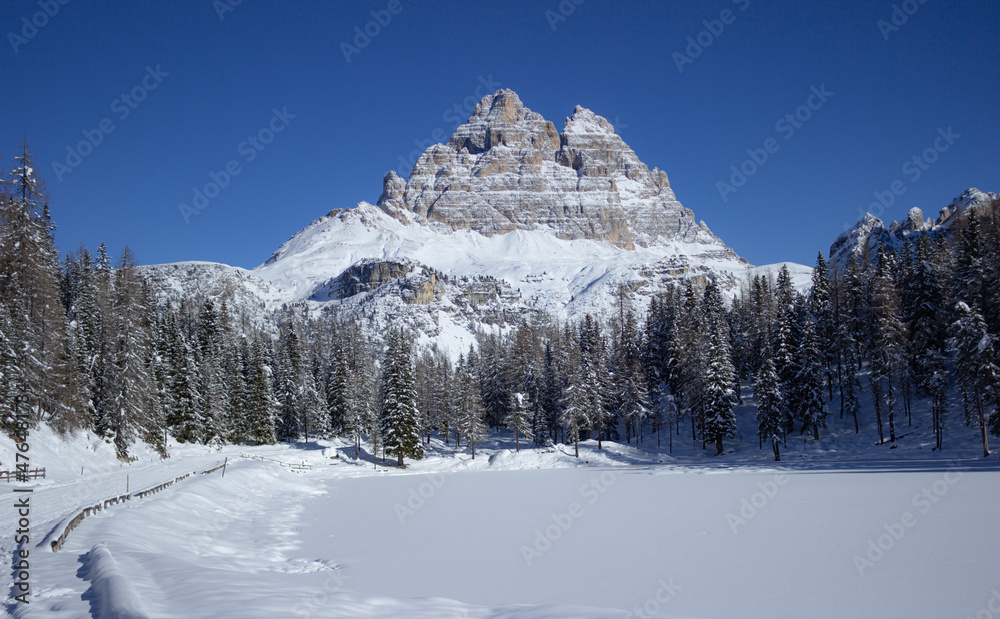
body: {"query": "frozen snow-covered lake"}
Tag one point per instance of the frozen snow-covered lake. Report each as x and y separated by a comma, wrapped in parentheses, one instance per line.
(532, 535)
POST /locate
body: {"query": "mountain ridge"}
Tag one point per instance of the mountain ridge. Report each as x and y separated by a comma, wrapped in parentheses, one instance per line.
(864, 238)
(509, 219)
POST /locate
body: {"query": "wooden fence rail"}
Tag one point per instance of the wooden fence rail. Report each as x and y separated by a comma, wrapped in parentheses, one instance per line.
(22, 475)
(294, 467)
(57, 543)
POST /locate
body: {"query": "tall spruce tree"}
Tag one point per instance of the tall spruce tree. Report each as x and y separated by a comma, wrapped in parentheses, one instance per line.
(470, 404)
(519, 419)
(975, 369)
(888, 343)
(770, 408)
(719, 373)
(400, 417)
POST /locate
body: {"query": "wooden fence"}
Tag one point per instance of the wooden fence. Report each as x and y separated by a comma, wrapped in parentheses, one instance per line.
(22, 475)
(57, 543)
(294, 467)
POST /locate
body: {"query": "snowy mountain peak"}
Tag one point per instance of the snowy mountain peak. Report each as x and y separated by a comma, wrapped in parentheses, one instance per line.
(510, 219)
(970, 198)
(864, 238)
(508, 168)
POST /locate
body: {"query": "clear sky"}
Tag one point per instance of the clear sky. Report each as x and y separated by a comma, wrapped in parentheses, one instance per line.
(896, 79)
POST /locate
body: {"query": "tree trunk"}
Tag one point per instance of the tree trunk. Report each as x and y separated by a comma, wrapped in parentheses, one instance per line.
(777, 454)
(982, 425)
(892, 416)
(877, 399)
(718, 445)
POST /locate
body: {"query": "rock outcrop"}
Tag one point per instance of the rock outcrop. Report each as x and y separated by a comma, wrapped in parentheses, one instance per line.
(509, 169)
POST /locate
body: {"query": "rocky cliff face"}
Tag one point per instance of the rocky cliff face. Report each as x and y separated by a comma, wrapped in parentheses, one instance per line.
(509, 169)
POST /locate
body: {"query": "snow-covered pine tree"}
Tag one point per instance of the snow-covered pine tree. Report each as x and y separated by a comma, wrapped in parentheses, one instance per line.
(127, 417)
(470, 424)
(211, 381)
(596, 382)
(719, 374)
(261, 405)
(970, 279)
(86, 327)
(519, 418)
(575, 405)
(399, 414)
(236, 368)
(923, 311)
(185, 418)
(302, 410)
(808, 387)
(352, 399)
(785, 343)
(822, 311)
(30, 286)
(550, 395)
(888, 342)
(687, 359)
(856, 304)
(495, 379)
(630, 389)
(975, 369)
(770, 408)
(10, 374)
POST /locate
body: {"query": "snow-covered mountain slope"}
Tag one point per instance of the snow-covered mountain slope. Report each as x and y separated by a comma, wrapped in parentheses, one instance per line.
(507, 220)
(864, 238)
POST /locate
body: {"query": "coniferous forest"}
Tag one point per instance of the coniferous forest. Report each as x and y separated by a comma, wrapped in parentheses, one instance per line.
(85, 344)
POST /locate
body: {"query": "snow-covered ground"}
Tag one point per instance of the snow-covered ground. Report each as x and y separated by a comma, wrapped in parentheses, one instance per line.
(902, 532)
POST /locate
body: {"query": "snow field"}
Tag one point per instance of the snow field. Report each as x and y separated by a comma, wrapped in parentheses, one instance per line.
(616, 533)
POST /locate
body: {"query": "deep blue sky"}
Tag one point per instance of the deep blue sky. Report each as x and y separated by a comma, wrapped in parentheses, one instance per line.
(355, 121)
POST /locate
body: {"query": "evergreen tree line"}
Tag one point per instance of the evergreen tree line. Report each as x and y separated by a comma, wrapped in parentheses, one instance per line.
(916, 323)
(84, 344)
